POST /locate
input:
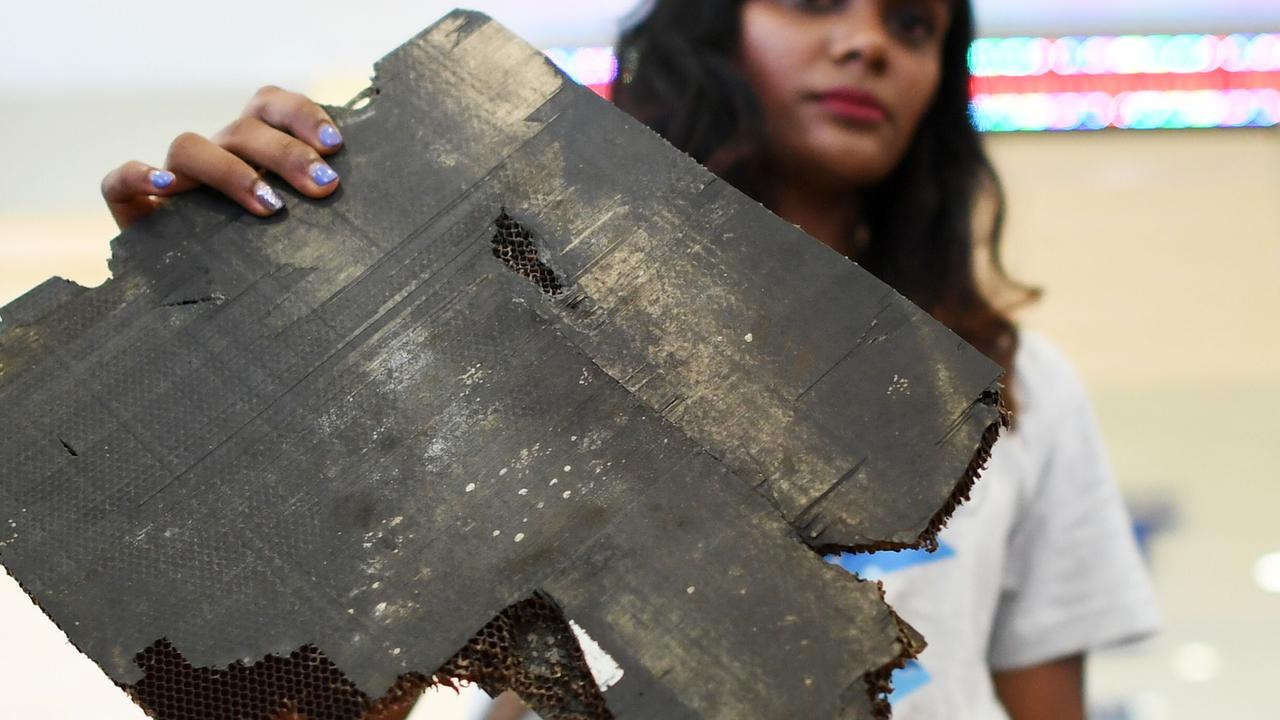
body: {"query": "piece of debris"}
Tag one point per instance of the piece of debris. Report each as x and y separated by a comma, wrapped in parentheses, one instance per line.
(286, 393)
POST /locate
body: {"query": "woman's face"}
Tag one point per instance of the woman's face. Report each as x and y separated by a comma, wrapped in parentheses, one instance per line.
(843, 83)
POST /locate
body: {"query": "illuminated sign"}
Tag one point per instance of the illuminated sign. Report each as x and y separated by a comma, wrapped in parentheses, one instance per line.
(1088, 83)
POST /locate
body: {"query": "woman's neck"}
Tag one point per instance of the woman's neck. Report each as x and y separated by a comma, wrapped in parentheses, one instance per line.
(827, 214)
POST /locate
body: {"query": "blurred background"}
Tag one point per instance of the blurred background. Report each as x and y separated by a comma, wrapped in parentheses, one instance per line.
(1139, 147)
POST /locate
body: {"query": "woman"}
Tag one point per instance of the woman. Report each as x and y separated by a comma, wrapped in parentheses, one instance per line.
(849, 119)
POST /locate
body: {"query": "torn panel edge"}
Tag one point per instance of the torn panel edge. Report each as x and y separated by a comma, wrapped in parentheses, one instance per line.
(879, 682)
(928, 538)
(529, 648)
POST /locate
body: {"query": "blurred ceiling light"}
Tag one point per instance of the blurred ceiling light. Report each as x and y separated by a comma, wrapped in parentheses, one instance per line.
(1266, 572)
(1197, 662)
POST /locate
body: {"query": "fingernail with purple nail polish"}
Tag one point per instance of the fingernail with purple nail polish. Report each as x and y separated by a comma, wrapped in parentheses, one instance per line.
(329, 136)
(321, 173)
(267, 196)
(160, 179)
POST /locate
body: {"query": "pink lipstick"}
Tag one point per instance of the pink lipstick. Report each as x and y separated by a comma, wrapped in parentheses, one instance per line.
(853, 105)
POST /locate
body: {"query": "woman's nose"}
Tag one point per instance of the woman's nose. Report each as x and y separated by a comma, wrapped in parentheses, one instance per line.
(858, 34)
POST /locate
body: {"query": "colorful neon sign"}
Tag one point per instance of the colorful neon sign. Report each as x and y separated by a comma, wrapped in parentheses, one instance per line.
(1089, 83)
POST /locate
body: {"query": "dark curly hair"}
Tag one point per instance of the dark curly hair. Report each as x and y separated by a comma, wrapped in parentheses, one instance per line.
(678, 73)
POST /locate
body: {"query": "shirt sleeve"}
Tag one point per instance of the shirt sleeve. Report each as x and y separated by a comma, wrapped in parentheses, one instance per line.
(1074, 580)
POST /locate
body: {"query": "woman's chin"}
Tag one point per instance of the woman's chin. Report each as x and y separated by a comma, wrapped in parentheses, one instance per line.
(858, 157)
(852, 168)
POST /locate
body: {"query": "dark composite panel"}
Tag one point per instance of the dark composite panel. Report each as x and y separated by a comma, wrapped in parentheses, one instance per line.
(359, 428)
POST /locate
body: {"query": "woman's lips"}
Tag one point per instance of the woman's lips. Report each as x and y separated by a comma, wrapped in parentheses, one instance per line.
(853, 105)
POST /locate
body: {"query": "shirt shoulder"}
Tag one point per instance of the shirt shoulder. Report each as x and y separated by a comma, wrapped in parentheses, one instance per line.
(1051, 396)
(1073, 578)
(1047, 383)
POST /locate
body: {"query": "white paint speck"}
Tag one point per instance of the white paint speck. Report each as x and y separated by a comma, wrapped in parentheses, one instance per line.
(473, 375)
(567, 468)
(566, 494)
(689, 589)
(395, 651)
(523, 491)
(471, 486)
(748, 337)
(519, 537)
(541, 504)
(396, 520)
(380, 608)
(553, 482)
(899, 385)
(502, 472)
(573, 437)
(496, 533)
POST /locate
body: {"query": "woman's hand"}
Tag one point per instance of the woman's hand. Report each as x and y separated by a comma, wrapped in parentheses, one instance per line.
(283, 132)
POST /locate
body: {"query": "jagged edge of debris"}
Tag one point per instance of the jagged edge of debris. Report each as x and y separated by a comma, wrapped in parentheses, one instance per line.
(928, 539)
(880, 681)
(494, 669)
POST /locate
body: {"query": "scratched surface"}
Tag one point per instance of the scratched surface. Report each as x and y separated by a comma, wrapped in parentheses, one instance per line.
(356, 426)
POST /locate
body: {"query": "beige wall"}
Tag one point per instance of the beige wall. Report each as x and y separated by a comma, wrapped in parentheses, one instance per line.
(1159, 251)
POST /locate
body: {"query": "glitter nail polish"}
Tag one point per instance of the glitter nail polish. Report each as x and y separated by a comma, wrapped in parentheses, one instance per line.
(267, 196)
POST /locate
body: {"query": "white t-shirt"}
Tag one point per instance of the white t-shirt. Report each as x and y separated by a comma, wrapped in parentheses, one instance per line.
(1040, 564)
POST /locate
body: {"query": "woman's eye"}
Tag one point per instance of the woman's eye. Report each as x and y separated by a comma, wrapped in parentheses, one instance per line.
(913, 24)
